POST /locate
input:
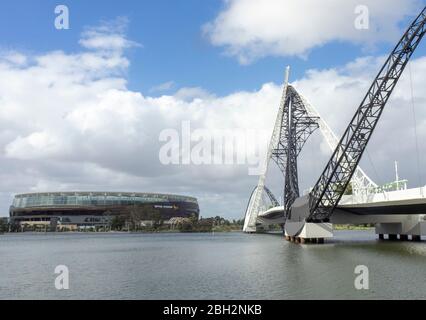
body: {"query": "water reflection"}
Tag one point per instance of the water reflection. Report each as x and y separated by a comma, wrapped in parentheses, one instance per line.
(206, 266)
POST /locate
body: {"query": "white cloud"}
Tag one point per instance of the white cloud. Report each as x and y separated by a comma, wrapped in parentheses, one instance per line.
(251, 29)
(15, 58)
(337, 93)
(108, 36)
(69, 122)
(190, 93)
(165, 86)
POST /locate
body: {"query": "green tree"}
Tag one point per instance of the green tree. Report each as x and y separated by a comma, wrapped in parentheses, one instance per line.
(194, 218)
(138, 213)
(118, 222)
(3, 225)
(186, 226)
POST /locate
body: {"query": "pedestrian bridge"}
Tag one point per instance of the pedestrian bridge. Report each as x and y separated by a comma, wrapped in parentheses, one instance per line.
(343, 194)
(390, 207)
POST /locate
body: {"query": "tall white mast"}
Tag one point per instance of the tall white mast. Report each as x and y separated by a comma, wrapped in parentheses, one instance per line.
(362, 185)
(254, 206)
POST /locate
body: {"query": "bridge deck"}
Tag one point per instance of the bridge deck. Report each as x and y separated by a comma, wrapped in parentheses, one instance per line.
(406, 207)
(402, 202)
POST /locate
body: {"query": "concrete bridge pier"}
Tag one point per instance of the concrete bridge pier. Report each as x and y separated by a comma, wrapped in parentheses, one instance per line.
(411, 227)
(416, 238)
(305, 240)
(393, 237)
(403, 237)
(307, 232)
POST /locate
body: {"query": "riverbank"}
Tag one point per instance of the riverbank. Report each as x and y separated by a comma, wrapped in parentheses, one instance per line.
(129, 224)
(217, 229)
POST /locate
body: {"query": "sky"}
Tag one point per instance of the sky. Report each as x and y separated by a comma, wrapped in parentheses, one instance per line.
(84, 108)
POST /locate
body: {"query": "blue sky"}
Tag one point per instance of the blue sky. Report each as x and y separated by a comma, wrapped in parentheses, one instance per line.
(74, 116)
(174, 47)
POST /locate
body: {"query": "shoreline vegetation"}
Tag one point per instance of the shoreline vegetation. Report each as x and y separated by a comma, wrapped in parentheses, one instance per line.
(122, 224)
(119, 224)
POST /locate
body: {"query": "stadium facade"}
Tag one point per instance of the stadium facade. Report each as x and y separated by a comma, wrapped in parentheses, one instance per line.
(97, 208)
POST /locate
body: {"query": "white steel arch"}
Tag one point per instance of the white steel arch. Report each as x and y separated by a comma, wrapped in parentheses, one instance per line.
(255, 205)
(362, 185)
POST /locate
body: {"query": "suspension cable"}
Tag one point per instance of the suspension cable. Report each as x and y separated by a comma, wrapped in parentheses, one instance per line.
(375, 172)
(415, 126)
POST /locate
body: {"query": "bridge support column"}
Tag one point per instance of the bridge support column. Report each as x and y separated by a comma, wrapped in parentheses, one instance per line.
(411, 226)
(308, 232)
(393, 237)
(403, 237)
(416, 238)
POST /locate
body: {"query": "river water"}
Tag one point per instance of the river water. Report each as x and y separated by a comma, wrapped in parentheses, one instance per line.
(208, 266)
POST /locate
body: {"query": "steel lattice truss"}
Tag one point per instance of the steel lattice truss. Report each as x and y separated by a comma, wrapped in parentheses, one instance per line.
(335, 178)
(296, 127)
(271, 197)
(362, 185)
(360, 181)
(254, 205)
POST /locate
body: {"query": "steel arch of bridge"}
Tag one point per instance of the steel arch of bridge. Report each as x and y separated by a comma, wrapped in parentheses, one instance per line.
(278, 149)
(342, 166)
(296, 127)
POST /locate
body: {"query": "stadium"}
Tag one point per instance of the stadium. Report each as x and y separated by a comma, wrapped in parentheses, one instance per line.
(98, 208)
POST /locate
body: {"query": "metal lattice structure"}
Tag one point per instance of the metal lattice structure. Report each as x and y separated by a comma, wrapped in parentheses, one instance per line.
(336, 176)
(271, 197)
(254, 205)
(362, 185)
(260, 205)
(296, 127)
